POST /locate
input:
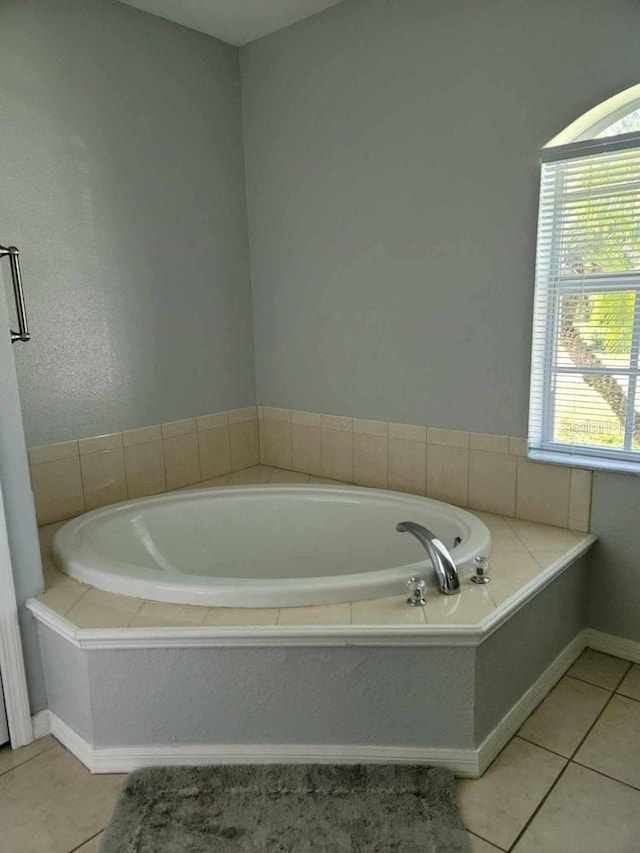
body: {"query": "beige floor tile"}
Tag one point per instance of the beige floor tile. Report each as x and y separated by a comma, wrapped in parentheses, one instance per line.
(480, 846)
(565, 716)
(613, 745)
(10, 758)
(498, 806)
(600, 669)
(472, 605)
(510, 571)
(159, 614)
(386, 611)
(52, 804)
(326, 481)
(98, 609)
(585, 813)
(631, 683)
(323, 614)
(288, 477)
(90, 846)
(543, 537)
(241, 616)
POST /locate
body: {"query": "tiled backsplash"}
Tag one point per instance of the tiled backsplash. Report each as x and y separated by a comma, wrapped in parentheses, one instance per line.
(75, 476)
(485, 472)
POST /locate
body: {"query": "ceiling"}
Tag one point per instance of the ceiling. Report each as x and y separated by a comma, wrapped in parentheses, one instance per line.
(233, 21)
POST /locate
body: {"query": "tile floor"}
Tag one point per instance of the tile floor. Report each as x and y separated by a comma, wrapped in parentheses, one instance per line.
(568, 782)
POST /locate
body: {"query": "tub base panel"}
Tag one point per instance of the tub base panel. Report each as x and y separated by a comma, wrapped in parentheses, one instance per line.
(448, 705)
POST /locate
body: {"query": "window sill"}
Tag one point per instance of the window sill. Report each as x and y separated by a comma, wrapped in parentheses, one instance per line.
(578, 460)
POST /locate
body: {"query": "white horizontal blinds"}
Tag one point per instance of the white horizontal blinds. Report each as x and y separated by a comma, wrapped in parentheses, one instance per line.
(585, 398)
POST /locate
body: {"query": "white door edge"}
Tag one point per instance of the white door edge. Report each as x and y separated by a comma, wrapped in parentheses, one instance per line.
(14, 680)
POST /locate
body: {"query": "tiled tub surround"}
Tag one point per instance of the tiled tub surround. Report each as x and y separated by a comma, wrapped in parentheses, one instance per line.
(476, 470)
(76, 476)
(523, 552)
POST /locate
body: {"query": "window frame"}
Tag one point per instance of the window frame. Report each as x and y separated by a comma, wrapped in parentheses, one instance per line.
(550, 285)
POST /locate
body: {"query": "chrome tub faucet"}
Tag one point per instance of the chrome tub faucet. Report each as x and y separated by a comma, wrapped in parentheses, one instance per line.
(442, 561)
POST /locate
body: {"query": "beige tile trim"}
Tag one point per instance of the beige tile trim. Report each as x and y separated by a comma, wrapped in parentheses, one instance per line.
(448, 437)
(100, 443)
(365, 427)
(338, 422)
(142, 435)
(305, 418)
(175, 428)
(219, 419)
(53, 452)
(408, 432)
(269, 413)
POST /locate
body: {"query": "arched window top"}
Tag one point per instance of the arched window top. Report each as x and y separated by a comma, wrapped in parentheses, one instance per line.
(615, 116)
(629, 123)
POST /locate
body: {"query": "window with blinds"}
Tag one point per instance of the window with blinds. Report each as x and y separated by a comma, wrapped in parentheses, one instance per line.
(585, 390)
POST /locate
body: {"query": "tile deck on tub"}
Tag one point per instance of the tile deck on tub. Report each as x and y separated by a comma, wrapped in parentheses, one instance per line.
(522, 552)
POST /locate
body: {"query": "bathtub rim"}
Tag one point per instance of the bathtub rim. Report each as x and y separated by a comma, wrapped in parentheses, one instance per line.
(228, 591)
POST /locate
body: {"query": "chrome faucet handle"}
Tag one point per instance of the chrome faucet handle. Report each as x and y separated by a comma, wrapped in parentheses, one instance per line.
(417, 587)
(481, 569)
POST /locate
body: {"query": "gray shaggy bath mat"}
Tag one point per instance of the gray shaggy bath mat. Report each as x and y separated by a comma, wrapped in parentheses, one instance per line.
(287, 809)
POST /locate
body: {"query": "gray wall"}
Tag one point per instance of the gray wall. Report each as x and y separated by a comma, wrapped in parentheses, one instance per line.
(66, 671)
(122, 182)
(283, 695)
(392, 174)
(392, 171)
(615, 578)
(512, 658)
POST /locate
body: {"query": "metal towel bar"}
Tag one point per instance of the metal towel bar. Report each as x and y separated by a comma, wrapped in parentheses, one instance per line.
(14, 261)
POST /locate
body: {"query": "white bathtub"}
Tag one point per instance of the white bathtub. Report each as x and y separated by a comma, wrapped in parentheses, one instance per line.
(263, 546)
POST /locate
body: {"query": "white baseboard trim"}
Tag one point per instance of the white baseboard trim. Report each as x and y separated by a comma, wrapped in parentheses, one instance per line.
(41, 723)
(616, 646)
(511, 722)
(123, 759)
